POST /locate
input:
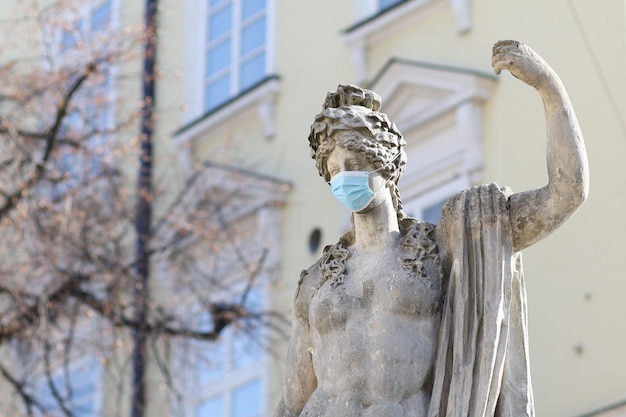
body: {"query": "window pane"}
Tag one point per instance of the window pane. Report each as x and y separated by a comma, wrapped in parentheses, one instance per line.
(247, 400)
(432, 213)
(385, 4)
(252, 71)
(251, 7)
(218, 58)
(87, 408)
(101, 17)
(213, 407)
(81, 395)
(220, 23)
(216, 2)
(217, 92)
(253, 37)
(67, 40)
(210, 362)
(84, 380)
(247, 350)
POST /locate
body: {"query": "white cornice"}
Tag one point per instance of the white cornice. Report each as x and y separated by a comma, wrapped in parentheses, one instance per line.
(455, 86)
(262, 97)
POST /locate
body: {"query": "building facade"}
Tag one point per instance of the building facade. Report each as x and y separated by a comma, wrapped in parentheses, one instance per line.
(240, 83)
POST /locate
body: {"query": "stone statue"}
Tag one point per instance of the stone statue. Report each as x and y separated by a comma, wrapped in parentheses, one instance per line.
(405, 318)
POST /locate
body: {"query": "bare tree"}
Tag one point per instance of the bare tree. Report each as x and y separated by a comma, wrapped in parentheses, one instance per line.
(68, 263)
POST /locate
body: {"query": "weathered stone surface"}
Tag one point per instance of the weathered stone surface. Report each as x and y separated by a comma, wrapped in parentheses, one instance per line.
(405, 318)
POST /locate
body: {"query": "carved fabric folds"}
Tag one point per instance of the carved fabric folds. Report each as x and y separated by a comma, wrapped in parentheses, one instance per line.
(482, 367)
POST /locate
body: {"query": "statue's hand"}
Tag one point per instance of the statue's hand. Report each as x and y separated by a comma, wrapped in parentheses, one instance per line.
(522, 62)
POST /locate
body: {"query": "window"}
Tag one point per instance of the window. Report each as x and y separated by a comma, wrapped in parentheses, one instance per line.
(428, 205)
(85, 154)
(229, 375)
(432, 213)
(236, 48)
(233, 232)
(439, 111)
(85, 131)
(78, 387)
(86, 23)
(385, 4)
(101, 17)
(240, 391)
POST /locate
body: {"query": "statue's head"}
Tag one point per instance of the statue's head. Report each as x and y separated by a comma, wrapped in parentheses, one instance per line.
(354, 111)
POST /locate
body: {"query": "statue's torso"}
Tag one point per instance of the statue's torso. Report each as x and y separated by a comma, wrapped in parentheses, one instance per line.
(374, 335)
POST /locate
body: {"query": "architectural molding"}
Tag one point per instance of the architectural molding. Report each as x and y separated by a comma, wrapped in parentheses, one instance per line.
(261, 97)
(439, 111)
(417, 92)
(247, 193)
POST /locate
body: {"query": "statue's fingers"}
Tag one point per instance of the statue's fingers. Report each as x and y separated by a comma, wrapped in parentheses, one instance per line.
(501, 62)
(509, 66)
(498, 67)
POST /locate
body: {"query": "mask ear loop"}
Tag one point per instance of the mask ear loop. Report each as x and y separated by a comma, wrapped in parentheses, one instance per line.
(381, 168)
(387, 164)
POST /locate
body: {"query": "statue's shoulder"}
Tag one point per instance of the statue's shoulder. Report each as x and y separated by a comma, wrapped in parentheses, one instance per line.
(331, 266)
(309, 278)
(310, 281)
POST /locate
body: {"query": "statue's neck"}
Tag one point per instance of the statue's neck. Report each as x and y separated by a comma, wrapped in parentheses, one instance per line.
(376, 229)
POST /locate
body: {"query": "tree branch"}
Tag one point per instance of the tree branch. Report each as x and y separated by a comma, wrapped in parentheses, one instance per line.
(29, 401)
(51, 139)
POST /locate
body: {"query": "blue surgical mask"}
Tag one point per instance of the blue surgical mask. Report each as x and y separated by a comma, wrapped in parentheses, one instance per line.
(352, 188)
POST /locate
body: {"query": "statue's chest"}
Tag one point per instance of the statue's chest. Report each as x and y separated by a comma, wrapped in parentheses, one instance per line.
(401, 280)
(372, 286)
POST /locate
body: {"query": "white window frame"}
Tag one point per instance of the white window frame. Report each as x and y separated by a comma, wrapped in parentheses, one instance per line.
(232, 379)
(225, 384)
(450, 102)
(83, 25)
(195, 56)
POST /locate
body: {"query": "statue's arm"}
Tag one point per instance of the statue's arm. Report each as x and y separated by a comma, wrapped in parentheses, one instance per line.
(300, 380)
(537, 213)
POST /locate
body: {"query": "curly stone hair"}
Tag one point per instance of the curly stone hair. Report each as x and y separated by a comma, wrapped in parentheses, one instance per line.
(355, 110)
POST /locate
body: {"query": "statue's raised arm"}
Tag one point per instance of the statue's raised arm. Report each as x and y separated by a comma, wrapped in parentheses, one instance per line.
(537, 213)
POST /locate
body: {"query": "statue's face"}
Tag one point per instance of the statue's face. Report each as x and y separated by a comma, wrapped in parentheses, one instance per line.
(341, 159)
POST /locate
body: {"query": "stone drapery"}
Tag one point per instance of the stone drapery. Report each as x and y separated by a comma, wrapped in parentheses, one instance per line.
(482, 366)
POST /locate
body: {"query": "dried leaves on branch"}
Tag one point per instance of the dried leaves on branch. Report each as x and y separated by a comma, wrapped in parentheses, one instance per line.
(67, 140)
